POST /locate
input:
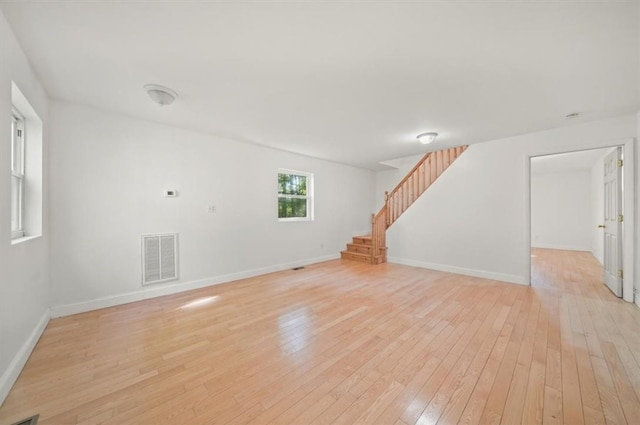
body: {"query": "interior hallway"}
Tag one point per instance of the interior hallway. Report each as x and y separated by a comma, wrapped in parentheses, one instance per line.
(343, 343)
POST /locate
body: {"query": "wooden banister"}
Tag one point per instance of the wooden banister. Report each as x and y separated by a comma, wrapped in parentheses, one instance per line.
(421, 176)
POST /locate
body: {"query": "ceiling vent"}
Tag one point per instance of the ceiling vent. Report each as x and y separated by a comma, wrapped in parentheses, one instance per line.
(160, 94)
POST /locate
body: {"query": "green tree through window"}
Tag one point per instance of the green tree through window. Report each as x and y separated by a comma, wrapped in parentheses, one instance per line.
(294, 197)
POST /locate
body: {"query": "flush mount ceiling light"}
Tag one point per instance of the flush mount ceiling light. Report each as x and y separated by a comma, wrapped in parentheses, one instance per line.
(426, 138)
(161, 95)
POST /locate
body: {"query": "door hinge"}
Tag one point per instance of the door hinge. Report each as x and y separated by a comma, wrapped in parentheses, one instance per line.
(620, 218)
(620, 274)
(18, 133)
(619, 163)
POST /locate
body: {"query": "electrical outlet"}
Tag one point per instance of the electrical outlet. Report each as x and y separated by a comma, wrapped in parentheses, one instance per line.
(211, 209)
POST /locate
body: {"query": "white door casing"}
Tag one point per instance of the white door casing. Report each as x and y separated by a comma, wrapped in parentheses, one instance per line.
(613, 221)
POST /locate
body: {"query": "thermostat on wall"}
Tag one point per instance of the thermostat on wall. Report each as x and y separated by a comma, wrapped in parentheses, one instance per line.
(170, 193)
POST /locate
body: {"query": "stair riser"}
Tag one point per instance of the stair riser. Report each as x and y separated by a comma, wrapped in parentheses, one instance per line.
(359, 249)
(346, 256)
(362, 241)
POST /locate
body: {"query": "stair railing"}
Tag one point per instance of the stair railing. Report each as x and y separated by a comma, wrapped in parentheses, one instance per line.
(425, 172)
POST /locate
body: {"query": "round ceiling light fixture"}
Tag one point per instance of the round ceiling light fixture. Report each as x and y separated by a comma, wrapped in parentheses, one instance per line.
(426, 138)
(160, 94)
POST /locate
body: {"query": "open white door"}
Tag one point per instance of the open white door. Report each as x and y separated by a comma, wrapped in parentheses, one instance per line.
(613, 221)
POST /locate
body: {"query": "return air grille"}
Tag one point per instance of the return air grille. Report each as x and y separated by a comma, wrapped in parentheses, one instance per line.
(159, 258)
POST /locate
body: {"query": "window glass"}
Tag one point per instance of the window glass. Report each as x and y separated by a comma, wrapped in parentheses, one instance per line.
(294, 195)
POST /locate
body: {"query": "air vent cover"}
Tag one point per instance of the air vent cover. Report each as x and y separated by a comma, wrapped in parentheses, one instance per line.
(159, 258)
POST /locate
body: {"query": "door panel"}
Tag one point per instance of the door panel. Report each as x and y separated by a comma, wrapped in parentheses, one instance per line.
(612, 226)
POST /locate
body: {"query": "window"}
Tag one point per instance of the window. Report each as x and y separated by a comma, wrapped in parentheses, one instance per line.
(295, 196)
(17, 174)
(26, 169)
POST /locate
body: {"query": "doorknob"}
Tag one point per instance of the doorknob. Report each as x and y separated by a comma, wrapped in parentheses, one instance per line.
(601, 226)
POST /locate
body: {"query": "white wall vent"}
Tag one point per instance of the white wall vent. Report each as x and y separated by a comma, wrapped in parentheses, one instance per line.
(159, 258)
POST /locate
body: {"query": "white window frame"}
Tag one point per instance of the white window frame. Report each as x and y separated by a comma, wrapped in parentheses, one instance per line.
(308, 197)
(18, 138)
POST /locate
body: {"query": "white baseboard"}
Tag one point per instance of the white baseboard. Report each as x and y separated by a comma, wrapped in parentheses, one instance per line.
(176, 287)
(600, 259)
(520, 280)
(10, 375)
(561, 247)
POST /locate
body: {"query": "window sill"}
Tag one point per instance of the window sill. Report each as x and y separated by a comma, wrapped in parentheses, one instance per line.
(17, 241)
(294, 219)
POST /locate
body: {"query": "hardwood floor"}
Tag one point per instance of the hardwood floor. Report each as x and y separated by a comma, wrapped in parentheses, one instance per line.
(348, 343)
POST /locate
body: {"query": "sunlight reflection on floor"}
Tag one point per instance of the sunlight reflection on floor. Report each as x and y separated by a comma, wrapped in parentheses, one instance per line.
(200, 302)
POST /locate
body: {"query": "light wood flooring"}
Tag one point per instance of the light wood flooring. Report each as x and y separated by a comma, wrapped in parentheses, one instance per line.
(348, 343)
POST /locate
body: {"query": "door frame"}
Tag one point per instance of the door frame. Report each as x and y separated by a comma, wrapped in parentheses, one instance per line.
(628, 199)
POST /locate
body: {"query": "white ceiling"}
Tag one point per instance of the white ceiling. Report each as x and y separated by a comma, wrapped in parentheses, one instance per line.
(352, 82)
(572, 161)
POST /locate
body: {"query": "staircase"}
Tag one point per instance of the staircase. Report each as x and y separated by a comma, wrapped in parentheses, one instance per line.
(372, 248)
(361, 249)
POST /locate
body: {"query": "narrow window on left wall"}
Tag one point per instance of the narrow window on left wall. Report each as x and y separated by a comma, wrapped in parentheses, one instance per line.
(26, 169)
(17, 174)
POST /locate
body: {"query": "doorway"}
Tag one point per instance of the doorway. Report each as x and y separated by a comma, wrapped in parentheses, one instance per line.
(576, 202)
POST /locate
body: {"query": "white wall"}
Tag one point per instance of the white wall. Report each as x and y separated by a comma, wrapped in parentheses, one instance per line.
(636, 219)
(637, 161)
(24, 268)
(388, 179)
(561, 213)
(473, 220)
(108, 173)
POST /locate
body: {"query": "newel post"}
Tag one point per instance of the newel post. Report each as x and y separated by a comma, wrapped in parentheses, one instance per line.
(373, 236)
